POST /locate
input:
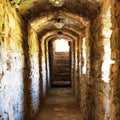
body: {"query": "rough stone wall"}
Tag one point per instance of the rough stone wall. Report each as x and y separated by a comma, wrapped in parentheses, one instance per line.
(47, 66)
(115, 69)
(11, 63)
(85, 89)
(97, 52)
(72, 64)
(87, 76)
(34, 70)
(43, 67)
(77, 71)
(75, 67)
(51, 60)
(84, 99)
(99, 76)
(83, 80)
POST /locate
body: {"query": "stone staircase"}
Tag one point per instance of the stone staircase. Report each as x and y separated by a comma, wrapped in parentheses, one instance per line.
(61, 69)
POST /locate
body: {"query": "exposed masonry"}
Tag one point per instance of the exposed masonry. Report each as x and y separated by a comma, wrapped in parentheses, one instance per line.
(24, 68)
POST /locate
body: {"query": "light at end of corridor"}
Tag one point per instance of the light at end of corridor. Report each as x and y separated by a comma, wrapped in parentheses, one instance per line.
(61, 45)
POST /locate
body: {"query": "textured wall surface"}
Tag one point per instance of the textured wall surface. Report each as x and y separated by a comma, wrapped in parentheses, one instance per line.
(85, 89)
(34, 70)
(43, 68)
(75, 67)
(11, 64)
(100, 64)
(115, 69)
(24, 60)
(97, 52)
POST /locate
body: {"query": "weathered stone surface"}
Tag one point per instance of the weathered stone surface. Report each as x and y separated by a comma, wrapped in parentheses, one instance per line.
(115, 69)
(43, 67)
(100, 96)
(34, 71)
(11, 64)
(24, 74)
(86, 8)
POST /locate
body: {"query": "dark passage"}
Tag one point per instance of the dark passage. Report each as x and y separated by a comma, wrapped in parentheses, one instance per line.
(60, 105)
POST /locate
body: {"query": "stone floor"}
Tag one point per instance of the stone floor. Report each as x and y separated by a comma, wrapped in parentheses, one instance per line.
(60, 105)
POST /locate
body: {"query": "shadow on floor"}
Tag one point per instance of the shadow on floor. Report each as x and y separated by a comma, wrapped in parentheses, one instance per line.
(60, 105)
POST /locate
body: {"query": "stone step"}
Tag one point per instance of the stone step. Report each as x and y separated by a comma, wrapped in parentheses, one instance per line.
(62, 61)
(61, 83)
(62, 65)
(62, 70)
(61, 74)
(58, 79)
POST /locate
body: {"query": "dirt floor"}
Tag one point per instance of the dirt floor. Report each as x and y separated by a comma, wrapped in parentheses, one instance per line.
(60, 105)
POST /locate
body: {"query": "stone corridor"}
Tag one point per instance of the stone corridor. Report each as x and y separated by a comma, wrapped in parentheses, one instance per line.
(60, 43)
(60, 105)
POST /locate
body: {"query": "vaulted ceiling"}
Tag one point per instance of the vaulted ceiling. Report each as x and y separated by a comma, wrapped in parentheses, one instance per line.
(43, 16)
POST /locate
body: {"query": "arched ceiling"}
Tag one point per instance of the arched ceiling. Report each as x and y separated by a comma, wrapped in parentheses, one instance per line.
(43, 35)
(51, 20)
(43, 16)
(51, 36)
(32, 8)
